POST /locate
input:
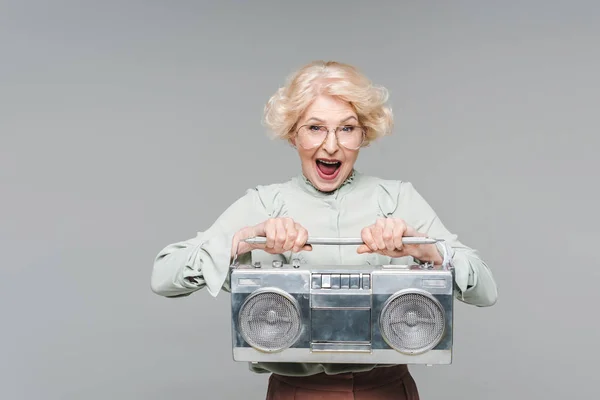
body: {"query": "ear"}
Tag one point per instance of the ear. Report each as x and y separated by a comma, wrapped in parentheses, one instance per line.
(292, 141)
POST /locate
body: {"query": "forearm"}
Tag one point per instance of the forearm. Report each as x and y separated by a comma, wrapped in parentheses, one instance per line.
(174, 273)
(474, 279)
(185, 267)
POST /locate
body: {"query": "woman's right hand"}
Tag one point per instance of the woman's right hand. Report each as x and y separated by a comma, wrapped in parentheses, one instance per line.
(282, 234)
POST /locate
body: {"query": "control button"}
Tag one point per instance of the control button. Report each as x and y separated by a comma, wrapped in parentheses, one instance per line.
(277, 263)
(326, 281)
(427, 265)
(316, 281)
(296, 263)
(354, 281)
(366, 281)
(257, 264)
(345, 281)
(335, 281)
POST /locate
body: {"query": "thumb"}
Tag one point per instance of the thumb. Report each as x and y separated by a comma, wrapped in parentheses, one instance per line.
(257, 230)
(363, 249)
(410, 231)
(240, 237)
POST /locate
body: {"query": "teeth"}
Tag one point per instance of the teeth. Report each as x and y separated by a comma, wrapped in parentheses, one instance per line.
(329, 162)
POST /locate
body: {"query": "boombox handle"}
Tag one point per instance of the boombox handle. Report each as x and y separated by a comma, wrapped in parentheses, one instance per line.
(349, 241)
(341, 241)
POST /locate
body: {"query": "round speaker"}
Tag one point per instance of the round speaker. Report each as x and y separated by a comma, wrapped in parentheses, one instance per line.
(270, 320)
(412, 321)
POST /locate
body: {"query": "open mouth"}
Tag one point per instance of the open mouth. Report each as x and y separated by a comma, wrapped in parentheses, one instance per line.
(328, 169)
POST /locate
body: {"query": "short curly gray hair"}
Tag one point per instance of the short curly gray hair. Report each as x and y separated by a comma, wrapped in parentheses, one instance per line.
(284, 108)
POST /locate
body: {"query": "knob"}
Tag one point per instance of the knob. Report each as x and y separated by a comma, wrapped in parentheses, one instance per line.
(277, 264)
(427, 265)
(257, 264)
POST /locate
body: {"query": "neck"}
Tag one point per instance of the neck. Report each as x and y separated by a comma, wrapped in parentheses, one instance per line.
(346, 181)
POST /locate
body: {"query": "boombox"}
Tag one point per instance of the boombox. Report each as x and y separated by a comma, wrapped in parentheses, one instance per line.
(357, 314)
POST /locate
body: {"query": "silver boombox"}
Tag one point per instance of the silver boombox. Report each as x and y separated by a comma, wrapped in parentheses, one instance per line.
(356, 314)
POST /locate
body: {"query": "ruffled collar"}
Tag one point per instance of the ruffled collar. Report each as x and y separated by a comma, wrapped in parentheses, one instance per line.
(307, 184)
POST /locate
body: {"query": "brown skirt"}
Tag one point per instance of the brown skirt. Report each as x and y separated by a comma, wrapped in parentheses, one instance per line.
(382, 383)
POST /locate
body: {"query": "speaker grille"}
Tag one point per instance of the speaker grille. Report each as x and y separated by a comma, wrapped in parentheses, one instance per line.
(270, 320)
(412, 322)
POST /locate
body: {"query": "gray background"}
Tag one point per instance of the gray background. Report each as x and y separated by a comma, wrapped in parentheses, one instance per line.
(128, 125)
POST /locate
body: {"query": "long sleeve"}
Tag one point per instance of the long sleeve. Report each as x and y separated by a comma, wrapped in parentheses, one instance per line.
(184, 267)
(474, 279)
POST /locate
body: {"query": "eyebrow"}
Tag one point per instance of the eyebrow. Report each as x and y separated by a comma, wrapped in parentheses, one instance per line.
(315, 119)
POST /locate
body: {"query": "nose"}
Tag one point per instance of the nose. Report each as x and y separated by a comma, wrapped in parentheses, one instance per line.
(331, 145)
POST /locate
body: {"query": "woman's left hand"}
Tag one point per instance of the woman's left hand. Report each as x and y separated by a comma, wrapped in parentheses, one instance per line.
(385, 237)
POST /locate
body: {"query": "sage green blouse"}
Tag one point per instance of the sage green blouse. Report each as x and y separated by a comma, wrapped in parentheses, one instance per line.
(203, 261)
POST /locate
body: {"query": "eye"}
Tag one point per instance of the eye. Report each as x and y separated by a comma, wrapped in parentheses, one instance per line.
(348, 128)
(315, 128)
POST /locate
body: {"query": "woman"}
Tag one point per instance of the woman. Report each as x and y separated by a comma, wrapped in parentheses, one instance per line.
(328, 111)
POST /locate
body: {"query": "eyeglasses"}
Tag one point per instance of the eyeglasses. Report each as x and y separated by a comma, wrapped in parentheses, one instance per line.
(349, 136)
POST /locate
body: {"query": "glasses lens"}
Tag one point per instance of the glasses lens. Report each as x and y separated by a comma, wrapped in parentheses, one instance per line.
(350, 136)
(310, 136)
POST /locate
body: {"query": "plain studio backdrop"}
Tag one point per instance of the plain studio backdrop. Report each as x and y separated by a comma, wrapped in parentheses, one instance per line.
(129, 125)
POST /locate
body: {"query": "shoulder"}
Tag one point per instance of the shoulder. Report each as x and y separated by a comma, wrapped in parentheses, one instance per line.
(270, 196)
(390, 194)
(384, 186)
(270, 190)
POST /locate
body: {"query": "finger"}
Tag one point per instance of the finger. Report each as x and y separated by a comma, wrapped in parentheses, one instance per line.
(290, 234)
(270, 231)
(377, 233)
(301, 238)
(388, 235)
(280, 235)
(369, 242)
(399, 233)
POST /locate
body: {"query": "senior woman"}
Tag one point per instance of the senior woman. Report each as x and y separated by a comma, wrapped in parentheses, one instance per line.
(328, 111)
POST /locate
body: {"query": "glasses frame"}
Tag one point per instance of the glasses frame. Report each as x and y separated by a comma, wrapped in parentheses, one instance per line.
(335, 133)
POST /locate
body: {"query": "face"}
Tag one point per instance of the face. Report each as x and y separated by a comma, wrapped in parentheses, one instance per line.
(328, 165)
